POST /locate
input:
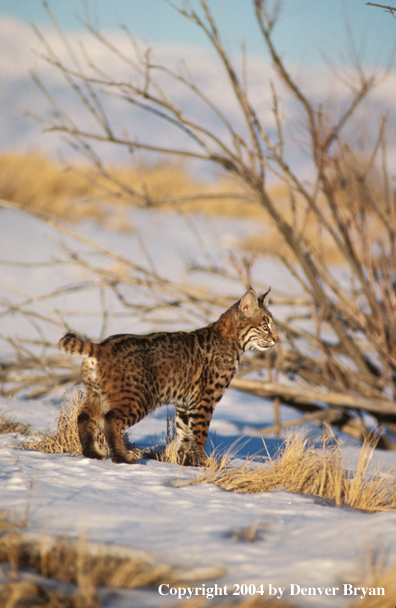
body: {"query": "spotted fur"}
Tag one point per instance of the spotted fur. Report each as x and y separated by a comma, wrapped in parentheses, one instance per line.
(126, 376)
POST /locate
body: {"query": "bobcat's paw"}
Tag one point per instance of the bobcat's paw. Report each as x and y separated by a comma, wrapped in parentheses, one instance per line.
(127, 457)
(95, 452)
(190, 458)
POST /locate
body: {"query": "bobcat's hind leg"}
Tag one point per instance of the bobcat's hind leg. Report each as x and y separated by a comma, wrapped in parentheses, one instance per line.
(90, 422)
(117, 419)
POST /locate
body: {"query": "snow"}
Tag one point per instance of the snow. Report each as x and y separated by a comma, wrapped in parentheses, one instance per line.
(147, 507)
(301, 540)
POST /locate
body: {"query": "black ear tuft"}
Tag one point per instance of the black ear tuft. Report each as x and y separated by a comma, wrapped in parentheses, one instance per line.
(264, 299)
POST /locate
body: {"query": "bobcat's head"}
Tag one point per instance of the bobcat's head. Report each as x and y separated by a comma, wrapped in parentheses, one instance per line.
(256, 327)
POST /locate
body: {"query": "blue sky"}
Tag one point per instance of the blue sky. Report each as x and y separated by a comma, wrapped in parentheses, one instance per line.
(304, 27)
(305, 24)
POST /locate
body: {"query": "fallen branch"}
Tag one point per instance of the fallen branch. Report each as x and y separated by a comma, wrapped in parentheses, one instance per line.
(292, 395)
(328, 416)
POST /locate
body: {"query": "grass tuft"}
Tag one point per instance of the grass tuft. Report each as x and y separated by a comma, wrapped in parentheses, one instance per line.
(65, 439)
(304, 469)
(9, 425)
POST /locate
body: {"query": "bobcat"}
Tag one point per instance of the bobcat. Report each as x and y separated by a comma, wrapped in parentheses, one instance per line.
(126, 376)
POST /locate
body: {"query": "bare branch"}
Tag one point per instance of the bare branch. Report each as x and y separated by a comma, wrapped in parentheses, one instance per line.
(332, 228)
(387, 8)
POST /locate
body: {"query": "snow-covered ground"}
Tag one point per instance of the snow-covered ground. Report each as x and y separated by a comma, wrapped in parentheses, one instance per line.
(304, 542)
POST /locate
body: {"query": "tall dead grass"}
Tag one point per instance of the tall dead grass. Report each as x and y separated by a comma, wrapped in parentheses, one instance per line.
(74, 193)
(304, 469)
(17, 591)
(35, 181)
(64, 440)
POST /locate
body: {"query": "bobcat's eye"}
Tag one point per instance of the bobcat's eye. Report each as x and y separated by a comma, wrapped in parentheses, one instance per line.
(264, 325)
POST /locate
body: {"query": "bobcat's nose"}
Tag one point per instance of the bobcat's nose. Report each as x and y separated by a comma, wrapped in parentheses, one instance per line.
(276, 340)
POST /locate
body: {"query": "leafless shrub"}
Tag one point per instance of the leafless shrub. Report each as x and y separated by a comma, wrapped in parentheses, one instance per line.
(340, 351)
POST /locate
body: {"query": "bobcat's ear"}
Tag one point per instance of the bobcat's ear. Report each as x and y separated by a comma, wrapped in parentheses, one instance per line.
(264, 299)
(248, 303)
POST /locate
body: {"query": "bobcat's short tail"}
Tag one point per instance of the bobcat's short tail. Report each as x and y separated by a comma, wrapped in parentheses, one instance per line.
(76, 347)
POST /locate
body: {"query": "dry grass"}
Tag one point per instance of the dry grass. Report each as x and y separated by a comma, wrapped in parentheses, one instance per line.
(25, 594)
(65, 439)
(77, 193)
(92, 564)
(250, 602)
(388, 582)
(9, 425)
(17, 591)
(84, 565)
(303, 469)
(387, 601)
(88, 566)
(37, 182)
